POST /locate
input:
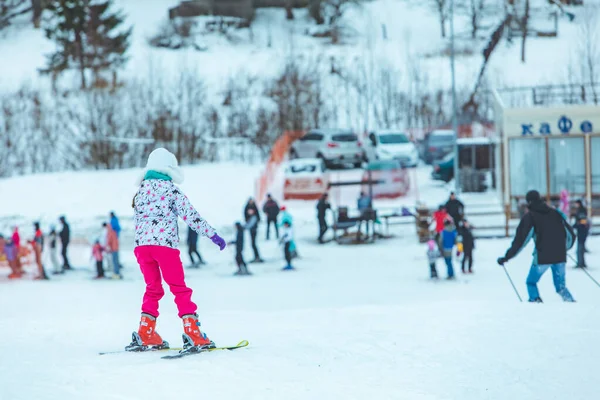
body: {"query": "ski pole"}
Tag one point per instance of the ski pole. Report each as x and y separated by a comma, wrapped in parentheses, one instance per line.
(584, 270)
(511, 282)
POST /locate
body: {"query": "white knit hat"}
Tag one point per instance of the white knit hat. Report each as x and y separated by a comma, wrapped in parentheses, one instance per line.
(163, 161)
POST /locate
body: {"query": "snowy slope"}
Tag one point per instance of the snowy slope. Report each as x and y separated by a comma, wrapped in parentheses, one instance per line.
(412, 33)
(350, 323)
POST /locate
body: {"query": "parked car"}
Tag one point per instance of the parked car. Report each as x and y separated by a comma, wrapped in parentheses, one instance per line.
(392, 145)
(443, 170)
(305, 179)
(333, 146)
(395, 179)
(438, 144)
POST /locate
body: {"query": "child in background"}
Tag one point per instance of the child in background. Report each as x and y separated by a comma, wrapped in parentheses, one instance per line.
(10, 250)
(38, 246)
(447, 241)
(97, 251)
(54, 251)
(432, 255)
(239, 250)
(287, 240)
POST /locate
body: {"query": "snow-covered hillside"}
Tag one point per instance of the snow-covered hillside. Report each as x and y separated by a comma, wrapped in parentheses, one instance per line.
(412, 37)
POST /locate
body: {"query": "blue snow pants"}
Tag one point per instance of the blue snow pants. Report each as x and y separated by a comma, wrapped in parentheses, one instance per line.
(558, 277)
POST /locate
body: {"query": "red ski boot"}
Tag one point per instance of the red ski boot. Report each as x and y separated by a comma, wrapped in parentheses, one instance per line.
(193, 338)
(146, 338)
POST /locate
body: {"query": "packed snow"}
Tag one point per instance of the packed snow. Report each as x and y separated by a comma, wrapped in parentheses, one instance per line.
(351, 322)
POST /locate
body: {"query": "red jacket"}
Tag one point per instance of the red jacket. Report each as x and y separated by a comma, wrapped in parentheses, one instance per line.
(16, 239)
(440, 217)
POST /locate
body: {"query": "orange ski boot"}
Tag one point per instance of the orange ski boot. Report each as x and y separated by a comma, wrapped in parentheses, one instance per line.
(146, 338)
(193, 338)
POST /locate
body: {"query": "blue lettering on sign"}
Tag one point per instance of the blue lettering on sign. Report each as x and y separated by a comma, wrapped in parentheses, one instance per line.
(545, 128)
(586, 127)
(565, 124)
(527, 129)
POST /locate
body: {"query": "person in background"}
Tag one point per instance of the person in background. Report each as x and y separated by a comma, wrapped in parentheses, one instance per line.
(252, 226)
(448, 238)
(468, 244)
(322, 207)
(239, 250)
(16, 240)
(433, 253)
(192, 243)
(364, 205)
(38, 246)
(112, 247)
(52, 236)
(284, 217)
(97, 254)
(455, 209)
(271, 210)
(10, 250)
(65, 238)
(251, 206)
(439, 217)
(114, 223)
(553, 237)
(582, 228)
(287, 240)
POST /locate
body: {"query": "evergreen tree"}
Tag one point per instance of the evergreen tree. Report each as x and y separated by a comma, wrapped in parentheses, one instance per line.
(107, 44)
(86, 37)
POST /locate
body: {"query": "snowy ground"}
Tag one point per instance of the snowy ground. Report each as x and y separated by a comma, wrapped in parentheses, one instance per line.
(350, 323)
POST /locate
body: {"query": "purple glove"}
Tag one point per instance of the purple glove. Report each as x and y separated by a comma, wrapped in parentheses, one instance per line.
(219, 241)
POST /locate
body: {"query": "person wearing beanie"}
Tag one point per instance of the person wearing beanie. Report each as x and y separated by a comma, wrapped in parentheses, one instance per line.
(157, 206)
(239, 250)
(52, 237)
(582, 228)
(38, 247)
(271, 210)
(552, 236)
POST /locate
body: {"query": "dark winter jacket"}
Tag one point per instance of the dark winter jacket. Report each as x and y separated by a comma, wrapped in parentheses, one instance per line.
(468, 241)
(192, 238)
(65, 234)
(551, 233)
(271, 209)
(248, 208)
(239, 240)
(322, 207)
(581, 223)
(455, 209)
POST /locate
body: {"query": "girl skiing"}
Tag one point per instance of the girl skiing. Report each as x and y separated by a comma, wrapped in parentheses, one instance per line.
(157, 205)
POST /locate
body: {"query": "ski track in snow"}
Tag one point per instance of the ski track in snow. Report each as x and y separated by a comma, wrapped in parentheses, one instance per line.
(350, 323)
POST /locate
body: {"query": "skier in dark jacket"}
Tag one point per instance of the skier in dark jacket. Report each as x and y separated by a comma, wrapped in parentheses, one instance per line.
(552, 235)
(322, 207)
(239, 250)
(252, 218)
(271, 210)
(192, 243)
(65, 238)
(582, 228)
(455, 208)
(468, 244)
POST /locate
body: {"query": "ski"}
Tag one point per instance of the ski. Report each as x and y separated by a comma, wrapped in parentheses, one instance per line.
(189, 352)
(150, 350)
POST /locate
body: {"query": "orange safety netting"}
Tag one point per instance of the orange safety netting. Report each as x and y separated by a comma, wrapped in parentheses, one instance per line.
(279, 152)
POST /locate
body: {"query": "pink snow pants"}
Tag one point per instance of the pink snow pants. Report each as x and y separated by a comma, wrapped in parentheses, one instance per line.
(155, 260)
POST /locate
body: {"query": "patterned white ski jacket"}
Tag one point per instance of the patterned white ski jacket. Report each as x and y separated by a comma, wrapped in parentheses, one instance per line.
(157, 205)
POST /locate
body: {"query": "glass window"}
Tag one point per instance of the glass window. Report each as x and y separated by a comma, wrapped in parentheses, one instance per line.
(595, 161)
(312, 137)
(527, 158)
(567, 165)
(345, 137)
(393, 138)
(303, 168)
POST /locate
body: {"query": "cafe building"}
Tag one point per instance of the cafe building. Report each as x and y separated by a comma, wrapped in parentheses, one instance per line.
(550, 141)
